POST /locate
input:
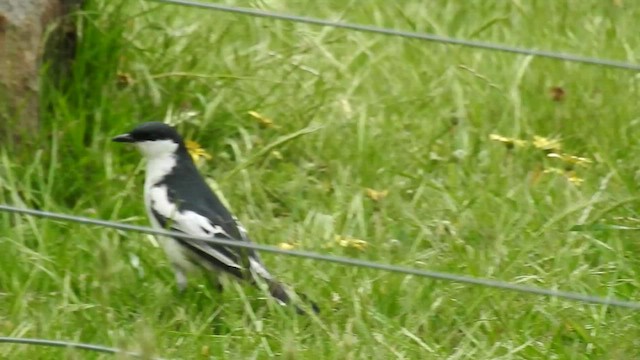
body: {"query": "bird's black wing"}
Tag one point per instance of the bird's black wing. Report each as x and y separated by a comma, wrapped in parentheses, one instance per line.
(206, 216)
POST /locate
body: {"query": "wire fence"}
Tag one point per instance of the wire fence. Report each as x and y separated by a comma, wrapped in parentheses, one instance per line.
(72, 345)
(609, 301)
(406, 34)
(357, 262)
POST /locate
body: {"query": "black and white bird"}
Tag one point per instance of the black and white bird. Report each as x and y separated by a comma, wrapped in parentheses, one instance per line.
(177, 198)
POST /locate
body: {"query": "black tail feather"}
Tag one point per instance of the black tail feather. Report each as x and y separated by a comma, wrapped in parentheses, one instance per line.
(281, 294)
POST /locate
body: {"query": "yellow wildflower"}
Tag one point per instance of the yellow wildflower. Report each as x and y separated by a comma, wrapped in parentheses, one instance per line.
(571, 159)
(376, 195)
(574, 179)
(351, 243)
(510, 143)
(286, 246)
(196, 151)
(569, 175)
(262, 120)
(547, 144)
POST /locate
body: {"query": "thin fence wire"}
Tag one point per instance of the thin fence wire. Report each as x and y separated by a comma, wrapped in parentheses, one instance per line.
(330, 258)
(609, 301)
(407, 34)
(69, 345)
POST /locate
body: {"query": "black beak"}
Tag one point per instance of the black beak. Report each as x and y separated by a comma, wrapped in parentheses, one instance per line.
(124, 138)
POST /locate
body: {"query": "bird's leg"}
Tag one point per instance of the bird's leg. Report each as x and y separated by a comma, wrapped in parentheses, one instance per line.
(181, 279)
(214, 279)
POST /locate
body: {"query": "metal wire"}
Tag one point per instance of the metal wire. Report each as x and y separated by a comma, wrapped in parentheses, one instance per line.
(335, 259)
(67, 344)
(329, 258)
(407, 34)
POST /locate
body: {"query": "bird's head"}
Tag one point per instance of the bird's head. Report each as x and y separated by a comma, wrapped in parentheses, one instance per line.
(153, 139)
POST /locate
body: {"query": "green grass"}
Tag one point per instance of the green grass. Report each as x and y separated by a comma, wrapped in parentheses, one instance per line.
(408, 116)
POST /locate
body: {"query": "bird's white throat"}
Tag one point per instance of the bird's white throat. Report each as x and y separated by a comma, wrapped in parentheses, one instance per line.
(157, 168)
(161, 159)
(157, 148)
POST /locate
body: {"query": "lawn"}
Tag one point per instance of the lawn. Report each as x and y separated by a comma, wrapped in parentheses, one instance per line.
(395, 162)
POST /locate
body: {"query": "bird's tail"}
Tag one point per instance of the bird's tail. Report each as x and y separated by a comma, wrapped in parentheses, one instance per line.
(280, 292)
(283, 295)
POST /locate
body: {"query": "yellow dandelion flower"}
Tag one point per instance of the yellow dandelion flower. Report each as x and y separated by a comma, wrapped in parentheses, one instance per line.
(196, 151)
(262, 120)
(286, 246)
(376, 195)
(510, 143)
(351, 243)
(500, 138)
(574, 179)
(546, 144)
(571, 159)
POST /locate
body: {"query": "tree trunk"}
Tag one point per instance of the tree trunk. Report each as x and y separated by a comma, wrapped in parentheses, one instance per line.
(23, 27)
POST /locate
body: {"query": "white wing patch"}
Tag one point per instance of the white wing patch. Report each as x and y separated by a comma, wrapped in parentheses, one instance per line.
(241, 229)
(255, 265)
(188, 222)
(218, 230)
(257, 268)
